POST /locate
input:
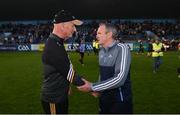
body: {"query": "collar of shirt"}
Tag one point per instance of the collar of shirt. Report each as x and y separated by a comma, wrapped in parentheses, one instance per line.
(110, 46)
(56, 38)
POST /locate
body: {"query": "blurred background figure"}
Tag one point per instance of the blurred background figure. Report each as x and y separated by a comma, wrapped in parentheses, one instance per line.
(179, 46)
(178, 71)
(157, 54)
(95, 47)
(82, 51)
(149, 51)
(141, 47)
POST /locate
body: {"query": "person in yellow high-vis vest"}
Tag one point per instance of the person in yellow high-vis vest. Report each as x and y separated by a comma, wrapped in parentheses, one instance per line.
(157, 54)
(94, 46)
(97, 47)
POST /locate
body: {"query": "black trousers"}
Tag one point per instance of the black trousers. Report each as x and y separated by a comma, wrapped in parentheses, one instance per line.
(82, 57)
(55, 108)
(125, 107)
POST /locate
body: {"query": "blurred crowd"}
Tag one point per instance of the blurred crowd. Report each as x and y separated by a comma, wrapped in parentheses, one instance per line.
(24, 33)
(12, 33)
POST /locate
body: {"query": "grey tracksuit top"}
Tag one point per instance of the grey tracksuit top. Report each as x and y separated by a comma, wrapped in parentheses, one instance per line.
(114, 62)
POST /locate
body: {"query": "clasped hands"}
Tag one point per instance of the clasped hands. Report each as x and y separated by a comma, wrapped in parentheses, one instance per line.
(87, 88)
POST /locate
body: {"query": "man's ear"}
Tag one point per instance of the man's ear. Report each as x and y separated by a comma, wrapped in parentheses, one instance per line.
(63, 26)
(110, 34)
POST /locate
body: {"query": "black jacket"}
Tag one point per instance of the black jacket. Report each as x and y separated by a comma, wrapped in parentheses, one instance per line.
(58, 71)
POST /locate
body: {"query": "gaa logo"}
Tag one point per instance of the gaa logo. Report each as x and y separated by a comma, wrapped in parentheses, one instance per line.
(89, 47)
(23, 48)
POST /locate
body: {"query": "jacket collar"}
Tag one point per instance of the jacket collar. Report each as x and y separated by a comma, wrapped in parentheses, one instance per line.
(110, 46)
(56, 38)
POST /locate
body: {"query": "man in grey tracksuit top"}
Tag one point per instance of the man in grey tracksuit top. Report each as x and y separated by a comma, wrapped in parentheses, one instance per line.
(114, 85)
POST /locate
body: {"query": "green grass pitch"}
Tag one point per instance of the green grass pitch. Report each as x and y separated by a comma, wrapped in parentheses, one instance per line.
(21, 75)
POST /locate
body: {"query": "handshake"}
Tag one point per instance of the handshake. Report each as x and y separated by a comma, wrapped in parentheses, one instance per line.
(86, 87)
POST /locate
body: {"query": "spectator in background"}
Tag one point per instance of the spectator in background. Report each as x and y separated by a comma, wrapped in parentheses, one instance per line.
(178, 72)
(179, 46)
(141, 47)
(149, 52)
(81, 51)
(157, 54)
(94, 46)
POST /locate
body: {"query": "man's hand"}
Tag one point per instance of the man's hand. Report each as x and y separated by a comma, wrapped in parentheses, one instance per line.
(95, 94)
(86, 87)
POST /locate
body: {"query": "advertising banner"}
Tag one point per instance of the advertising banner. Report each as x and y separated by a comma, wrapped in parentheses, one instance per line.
(41, 47)
(74, 47)
(37, 47)
(8, 47)
(24, 47)
(136, 46)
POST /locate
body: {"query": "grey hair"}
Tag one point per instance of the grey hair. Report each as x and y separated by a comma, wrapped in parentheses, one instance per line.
(111, 28)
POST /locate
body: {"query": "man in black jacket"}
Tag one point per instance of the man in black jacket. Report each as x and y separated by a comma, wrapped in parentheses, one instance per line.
(57, 67)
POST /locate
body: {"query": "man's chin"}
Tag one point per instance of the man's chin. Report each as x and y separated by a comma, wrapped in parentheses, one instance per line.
(70, 36)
